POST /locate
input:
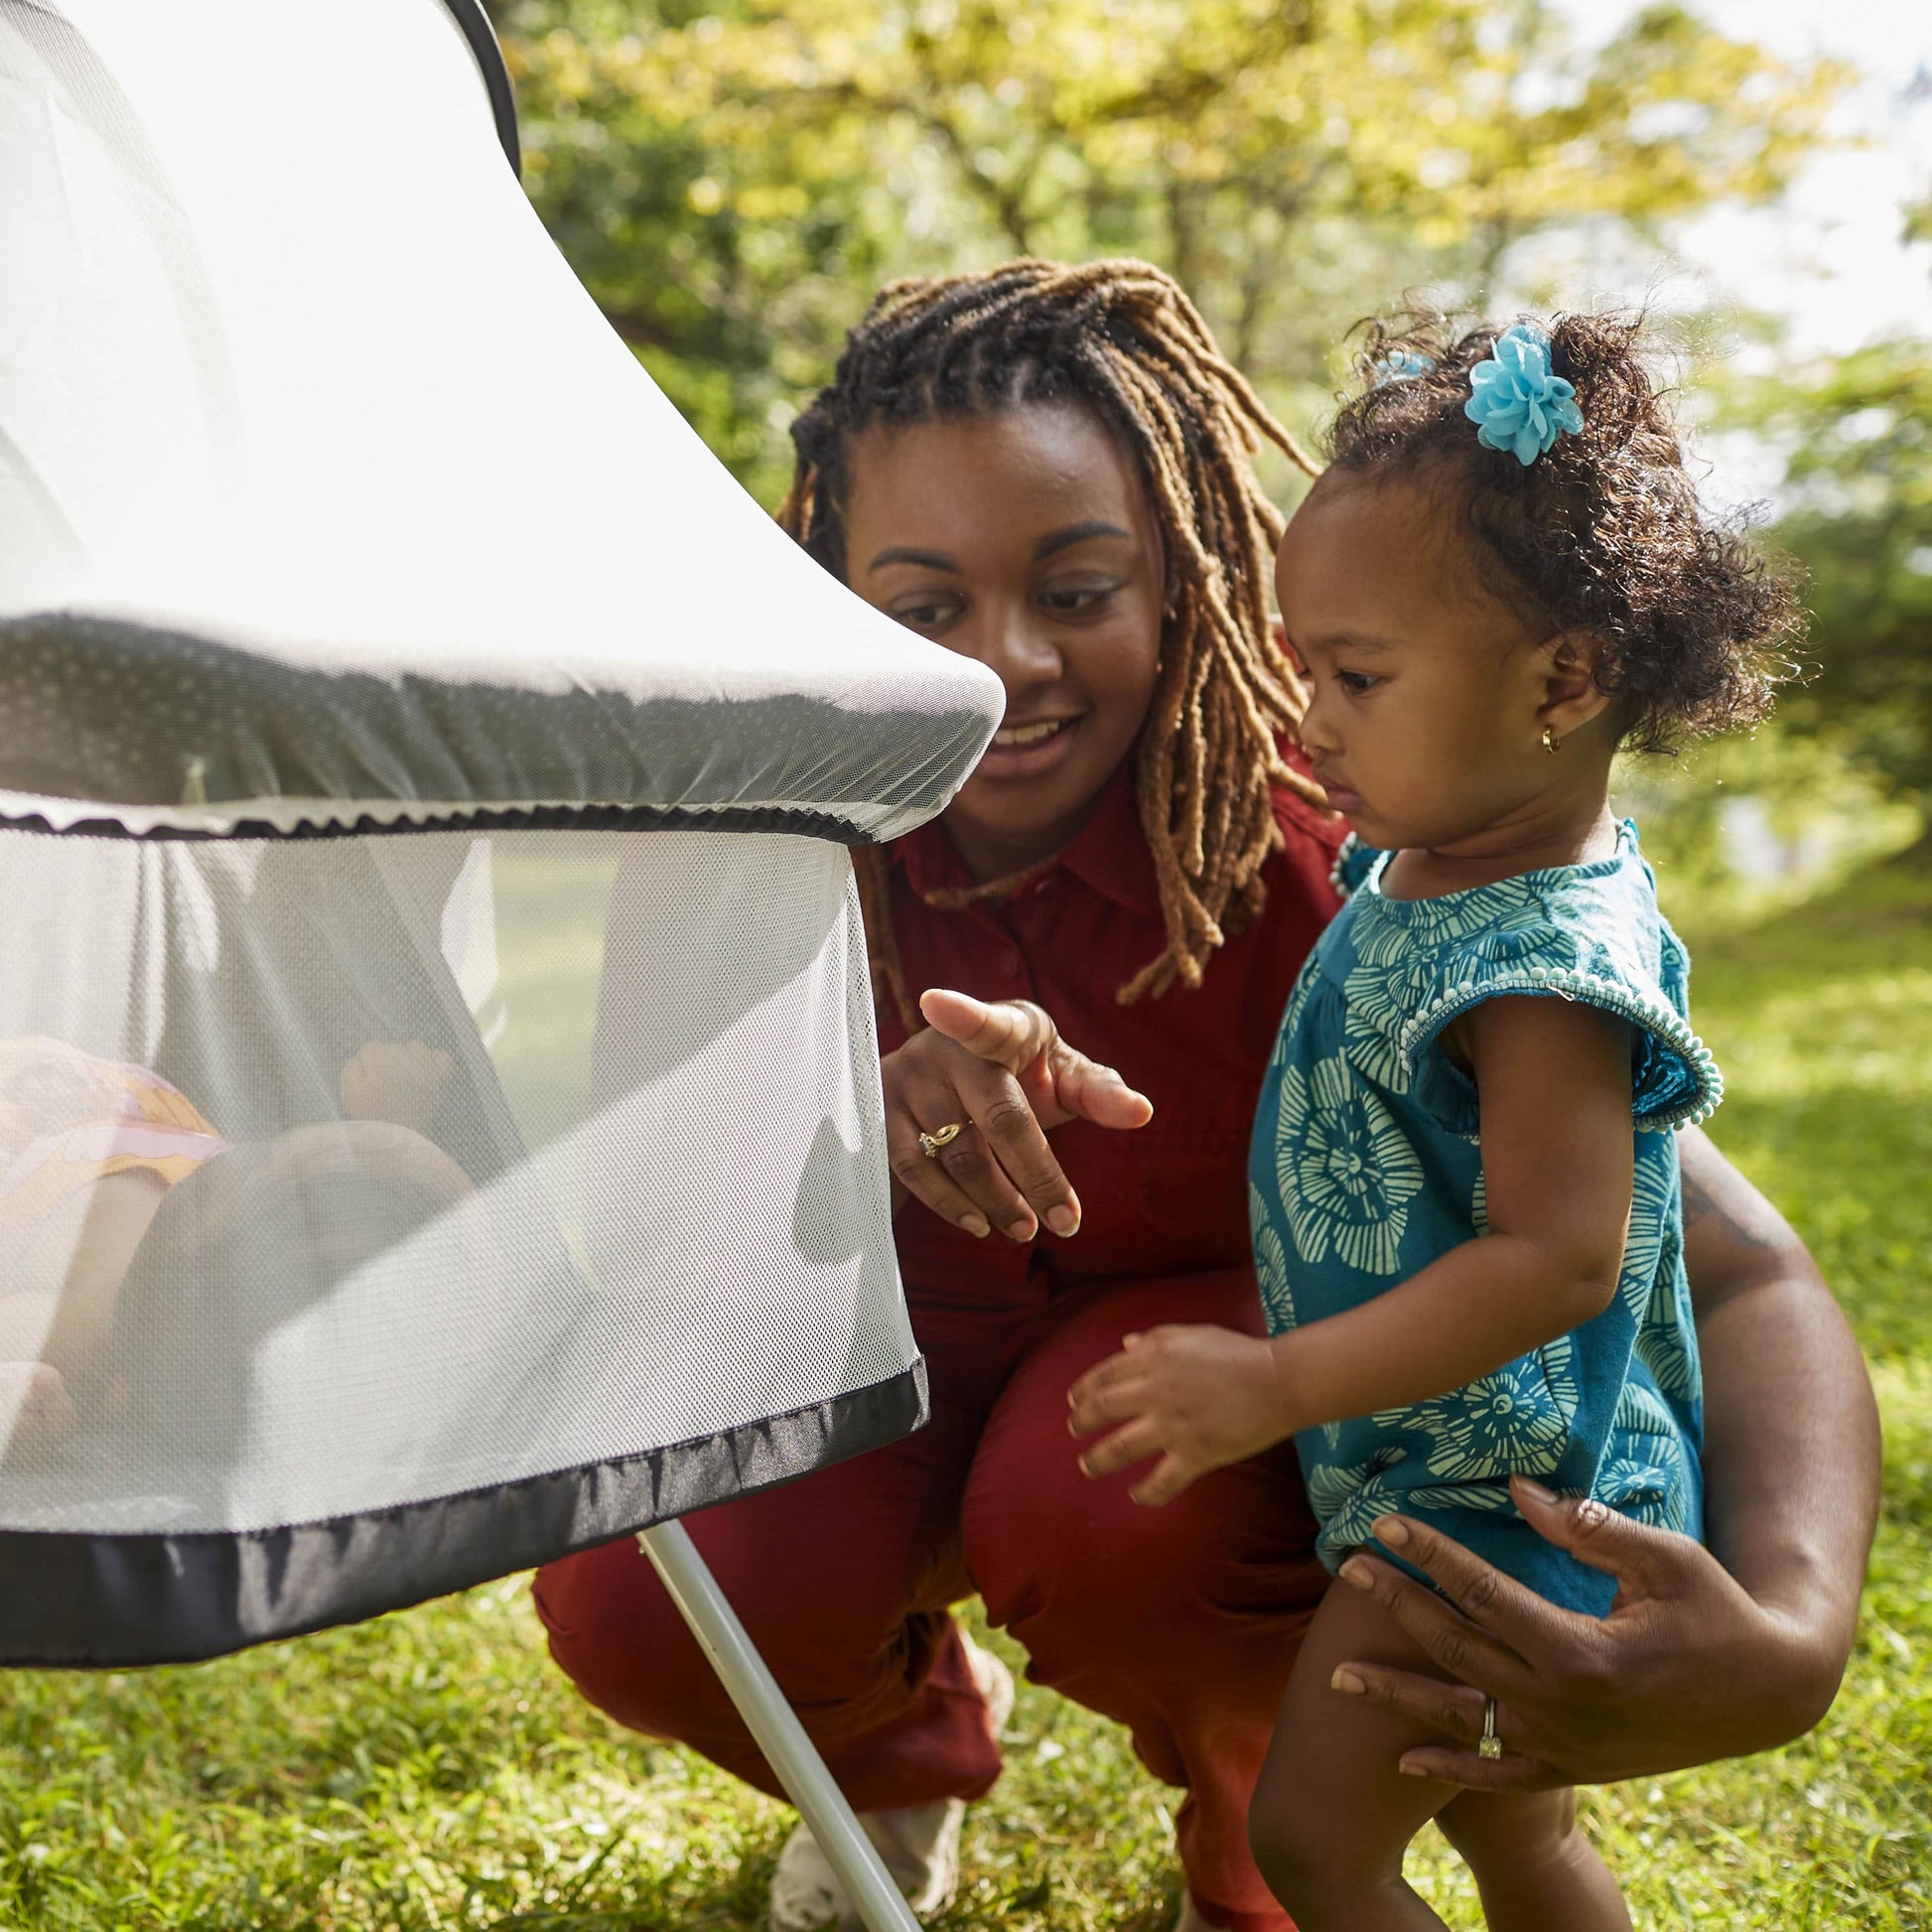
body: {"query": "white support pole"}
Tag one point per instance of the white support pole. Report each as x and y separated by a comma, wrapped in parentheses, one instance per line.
(774, 1726)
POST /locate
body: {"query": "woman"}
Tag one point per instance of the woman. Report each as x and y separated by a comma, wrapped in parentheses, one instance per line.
(1051, 469)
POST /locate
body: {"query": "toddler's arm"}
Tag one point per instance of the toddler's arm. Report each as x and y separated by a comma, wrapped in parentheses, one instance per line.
(1557, 1158)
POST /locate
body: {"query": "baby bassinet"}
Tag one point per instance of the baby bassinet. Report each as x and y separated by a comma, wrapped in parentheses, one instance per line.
(439, 1107)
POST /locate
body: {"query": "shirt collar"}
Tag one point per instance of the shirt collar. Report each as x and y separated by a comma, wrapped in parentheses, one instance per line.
(1110, 852)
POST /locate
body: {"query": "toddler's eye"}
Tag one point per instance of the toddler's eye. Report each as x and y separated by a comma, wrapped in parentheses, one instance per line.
(1356, 681)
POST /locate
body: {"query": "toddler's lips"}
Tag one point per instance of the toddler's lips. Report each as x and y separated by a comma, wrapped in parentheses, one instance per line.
(1341, 798)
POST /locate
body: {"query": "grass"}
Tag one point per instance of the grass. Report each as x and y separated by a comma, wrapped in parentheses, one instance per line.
(431, 1770)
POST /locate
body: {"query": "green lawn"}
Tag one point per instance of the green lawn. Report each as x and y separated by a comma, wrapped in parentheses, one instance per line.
(430, 1770)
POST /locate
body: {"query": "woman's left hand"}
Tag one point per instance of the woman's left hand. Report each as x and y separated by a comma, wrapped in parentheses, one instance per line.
(1686, 1667)
(1198, 1397)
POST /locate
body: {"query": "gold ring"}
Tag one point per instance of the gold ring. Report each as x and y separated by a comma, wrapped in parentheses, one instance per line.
(930, 1144)
(1489, 1745)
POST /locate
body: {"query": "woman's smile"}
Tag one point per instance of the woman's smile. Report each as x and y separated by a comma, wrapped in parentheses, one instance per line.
(1027, 750)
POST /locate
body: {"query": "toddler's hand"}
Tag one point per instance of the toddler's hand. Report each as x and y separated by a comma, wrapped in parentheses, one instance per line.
(400, 1082)
(1196, 1397)
(34, 1403)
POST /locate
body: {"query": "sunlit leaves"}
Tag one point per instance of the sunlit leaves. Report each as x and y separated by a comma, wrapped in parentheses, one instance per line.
(732, 179)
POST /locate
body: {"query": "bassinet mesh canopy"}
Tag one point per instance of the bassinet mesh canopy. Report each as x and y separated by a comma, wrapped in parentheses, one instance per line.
(439, 1110)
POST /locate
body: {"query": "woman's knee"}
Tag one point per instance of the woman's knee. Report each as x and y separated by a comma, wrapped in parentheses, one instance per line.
(1068, 1548)
(1041, 1536)
(1057, 1543)
(827, 1609)
(614, 1632)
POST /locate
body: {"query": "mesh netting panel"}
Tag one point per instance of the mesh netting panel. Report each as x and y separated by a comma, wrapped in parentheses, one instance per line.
(342, 1175)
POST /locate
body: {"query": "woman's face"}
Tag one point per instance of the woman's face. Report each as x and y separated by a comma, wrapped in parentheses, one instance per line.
(1024, 540)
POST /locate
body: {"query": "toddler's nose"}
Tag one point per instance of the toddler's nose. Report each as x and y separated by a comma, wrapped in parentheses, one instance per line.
(1317, 730)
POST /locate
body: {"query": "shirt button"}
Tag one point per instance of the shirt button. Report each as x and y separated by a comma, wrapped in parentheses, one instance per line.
(1009, 962)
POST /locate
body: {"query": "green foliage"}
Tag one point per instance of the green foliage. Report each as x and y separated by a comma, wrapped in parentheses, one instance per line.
(733, 181)
(433, 1770)
(1859, 434)
(1813, 793)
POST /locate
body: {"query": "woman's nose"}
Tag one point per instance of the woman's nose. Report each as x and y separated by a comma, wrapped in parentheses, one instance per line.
(1018, 647)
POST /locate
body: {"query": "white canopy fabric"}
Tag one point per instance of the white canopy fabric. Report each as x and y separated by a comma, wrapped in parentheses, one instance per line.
(297, 398)
(439, 1105)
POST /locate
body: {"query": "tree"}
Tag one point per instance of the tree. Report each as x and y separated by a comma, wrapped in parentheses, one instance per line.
(1860, 521)
(732, 182)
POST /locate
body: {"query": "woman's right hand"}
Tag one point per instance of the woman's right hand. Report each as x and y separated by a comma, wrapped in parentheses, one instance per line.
(1004, 1074)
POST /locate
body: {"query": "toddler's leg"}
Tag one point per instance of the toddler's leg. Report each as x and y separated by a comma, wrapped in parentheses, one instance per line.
(1333, 1815)
(1532, 1865)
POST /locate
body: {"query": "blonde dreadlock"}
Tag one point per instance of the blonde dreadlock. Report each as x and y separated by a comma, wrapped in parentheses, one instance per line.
(1119, 338)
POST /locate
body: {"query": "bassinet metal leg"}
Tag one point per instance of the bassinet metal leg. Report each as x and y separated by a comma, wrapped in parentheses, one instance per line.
(775, 1727)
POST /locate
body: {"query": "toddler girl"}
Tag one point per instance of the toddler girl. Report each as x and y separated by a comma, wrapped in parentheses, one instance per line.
(1463, 1183)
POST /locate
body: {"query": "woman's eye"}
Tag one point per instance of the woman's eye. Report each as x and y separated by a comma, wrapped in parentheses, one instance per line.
(1075, 600)
(924, 613)
(1356, 681)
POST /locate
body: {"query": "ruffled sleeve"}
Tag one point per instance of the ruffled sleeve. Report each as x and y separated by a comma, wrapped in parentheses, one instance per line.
(1578, 944)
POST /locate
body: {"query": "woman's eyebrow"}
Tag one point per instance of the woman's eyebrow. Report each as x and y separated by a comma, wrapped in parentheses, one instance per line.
(1077, 533)
(924, 559)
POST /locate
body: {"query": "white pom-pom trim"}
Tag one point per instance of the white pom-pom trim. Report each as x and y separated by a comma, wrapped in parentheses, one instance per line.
(1348, 849)
(1652, 1015)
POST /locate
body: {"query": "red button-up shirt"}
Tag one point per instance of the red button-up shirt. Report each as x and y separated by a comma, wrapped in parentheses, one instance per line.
(1170, 1198)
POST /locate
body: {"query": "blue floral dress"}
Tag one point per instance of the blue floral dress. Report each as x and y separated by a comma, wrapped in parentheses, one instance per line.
(1365, 1168)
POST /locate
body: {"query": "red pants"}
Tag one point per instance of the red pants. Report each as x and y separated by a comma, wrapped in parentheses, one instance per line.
(1179, 1622)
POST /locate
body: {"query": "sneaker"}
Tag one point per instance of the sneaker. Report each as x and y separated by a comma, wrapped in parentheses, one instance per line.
(918, 1844)
(995, 1682)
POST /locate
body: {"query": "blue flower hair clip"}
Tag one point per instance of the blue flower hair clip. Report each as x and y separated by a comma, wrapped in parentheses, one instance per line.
(1399, 363)
(1517, 402)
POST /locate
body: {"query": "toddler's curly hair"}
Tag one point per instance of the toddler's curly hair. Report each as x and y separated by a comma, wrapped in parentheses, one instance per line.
(1603, 533)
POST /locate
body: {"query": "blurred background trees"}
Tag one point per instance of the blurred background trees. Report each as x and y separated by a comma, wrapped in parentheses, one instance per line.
(732, 179)
(1855, 432)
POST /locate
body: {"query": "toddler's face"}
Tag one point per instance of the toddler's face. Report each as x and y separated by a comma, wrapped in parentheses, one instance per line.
(1424, 688)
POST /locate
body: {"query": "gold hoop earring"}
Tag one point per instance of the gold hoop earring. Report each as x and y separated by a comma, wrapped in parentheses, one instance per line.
(1550, 741)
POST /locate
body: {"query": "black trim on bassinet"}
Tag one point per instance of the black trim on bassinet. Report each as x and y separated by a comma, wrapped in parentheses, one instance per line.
(86, 1600)
(484, 44)
(799, 821)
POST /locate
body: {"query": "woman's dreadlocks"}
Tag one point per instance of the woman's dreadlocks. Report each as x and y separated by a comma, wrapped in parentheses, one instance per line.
(1118, 338)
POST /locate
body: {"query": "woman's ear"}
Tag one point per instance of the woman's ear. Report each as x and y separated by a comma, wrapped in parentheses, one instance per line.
(1571, 697)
